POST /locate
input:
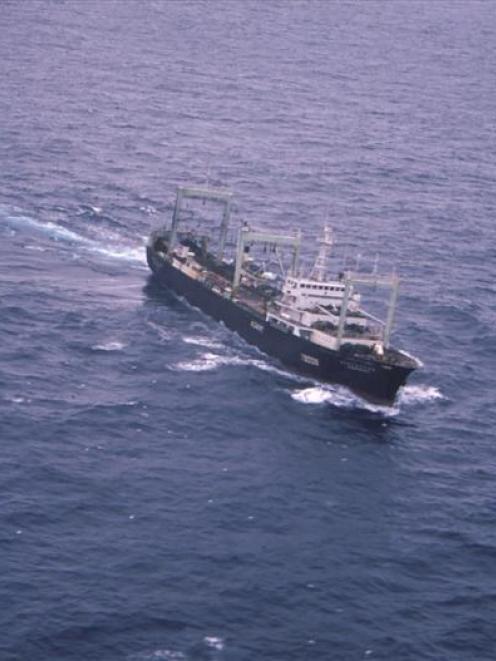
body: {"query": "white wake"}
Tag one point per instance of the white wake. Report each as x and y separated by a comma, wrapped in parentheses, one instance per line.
(110, 245)
(343, 398)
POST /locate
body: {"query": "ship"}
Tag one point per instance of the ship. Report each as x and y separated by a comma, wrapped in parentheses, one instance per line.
(312, 323)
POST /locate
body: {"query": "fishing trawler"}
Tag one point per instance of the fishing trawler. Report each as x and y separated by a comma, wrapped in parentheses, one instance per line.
(315, 324)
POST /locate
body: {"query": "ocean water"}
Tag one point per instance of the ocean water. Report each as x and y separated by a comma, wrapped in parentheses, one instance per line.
(167, 491)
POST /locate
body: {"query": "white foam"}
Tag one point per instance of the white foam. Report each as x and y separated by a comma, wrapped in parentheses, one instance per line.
(109, 346)
(420, 394)
(148, 208)
(127, 254)
(202, 342)
(54, 230)
(340, 397)
(16, 400)
(209, 361)
(114, 248)
(214, 642)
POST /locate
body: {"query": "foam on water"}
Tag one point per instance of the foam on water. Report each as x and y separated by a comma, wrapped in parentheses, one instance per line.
(342, 397)
(419, 394)
(53, 230)
(16, 399)
(214, 642)
(128, 254)
(109, 346)
(148, 209)
(201, 341)
(164, 335)
(113, 248)
(209, 361)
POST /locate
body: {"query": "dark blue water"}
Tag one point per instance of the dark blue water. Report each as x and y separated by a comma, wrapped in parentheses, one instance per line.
(166, 491)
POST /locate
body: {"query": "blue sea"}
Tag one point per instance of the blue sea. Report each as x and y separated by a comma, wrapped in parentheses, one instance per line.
(168, 492)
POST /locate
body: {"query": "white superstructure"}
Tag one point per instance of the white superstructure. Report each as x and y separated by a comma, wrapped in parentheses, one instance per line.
(327, 311)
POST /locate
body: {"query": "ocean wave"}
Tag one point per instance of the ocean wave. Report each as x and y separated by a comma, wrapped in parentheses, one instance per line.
(343, 398)
(209, 361)
(214, 642)
(113, 247)
(148, 209)
(419, 394)
(53, 230)
(201, 341)
(88, 209)
(340, 397)
(17, 399)
(120, 252)
(109, 346)
(164, 335)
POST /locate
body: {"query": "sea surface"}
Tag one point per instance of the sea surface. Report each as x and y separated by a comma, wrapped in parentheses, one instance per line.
(167, 492)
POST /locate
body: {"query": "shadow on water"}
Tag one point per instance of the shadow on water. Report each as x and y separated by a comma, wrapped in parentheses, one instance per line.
(157, 294)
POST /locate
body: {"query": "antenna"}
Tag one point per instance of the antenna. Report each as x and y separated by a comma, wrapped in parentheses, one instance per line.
(320, 266)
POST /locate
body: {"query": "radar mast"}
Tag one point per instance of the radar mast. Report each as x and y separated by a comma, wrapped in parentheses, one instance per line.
(320, 266)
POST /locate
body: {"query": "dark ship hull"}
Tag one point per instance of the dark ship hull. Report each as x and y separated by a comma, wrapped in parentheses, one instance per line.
(376, 380)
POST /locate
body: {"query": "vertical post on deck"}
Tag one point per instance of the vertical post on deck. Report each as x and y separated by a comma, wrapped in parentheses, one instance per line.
(344, 310)
(240, 249)
(296, 254)
(175, 219)
(224, 226)
(391, 310)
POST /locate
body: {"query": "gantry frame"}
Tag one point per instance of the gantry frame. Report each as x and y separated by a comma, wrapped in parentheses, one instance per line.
(351, 279)
(249, 237)
(222, 196)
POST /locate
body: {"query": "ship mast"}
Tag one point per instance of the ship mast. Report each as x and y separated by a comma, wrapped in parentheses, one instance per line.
(320, 266)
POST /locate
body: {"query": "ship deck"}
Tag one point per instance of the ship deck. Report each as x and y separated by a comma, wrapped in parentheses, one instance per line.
(258, 299)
